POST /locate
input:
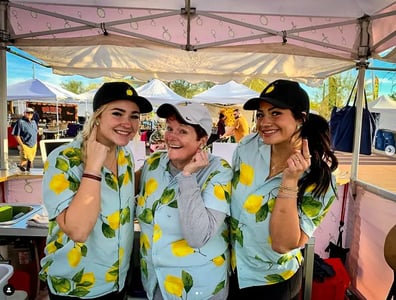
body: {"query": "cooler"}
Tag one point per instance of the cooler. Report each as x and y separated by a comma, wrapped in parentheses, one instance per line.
(6, 271)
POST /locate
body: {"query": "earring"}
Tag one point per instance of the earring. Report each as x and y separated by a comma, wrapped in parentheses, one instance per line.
(97, 122)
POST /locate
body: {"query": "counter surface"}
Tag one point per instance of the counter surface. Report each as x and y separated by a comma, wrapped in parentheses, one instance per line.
(8, 174)
(21, 228)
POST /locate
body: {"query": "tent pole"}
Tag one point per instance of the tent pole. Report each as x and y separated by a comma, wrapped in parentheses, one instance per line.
(362, 65)
(4, 36)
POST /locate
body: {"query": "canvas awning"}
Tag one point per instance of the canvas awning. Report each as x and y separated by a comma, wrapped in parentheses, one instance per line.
(202, 40)
(228, 93)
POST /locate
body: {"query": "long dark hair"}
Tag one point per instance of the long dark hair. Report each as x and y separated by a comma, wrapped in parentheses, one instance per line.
(323, 161)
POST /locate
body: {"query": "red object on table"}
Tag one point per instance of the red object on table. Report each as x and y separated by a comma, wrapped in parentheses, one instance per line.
(12, 142)
(333, 288)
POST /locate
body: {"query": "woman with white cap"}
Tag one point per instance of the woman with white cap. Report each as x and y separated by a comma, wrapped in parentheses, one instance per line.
(88, 191)
(182, 208)
(283, 187)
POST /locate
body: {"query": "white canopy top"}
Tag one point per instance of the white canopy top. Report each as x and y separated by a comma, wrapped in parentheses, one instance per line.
(201, 40)
(227, 93)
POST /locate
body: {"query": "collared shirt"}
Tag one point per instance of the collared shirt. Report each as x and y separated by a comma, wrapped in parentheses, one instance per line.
(167, 260)
(252, 199)
(99, 265)
(27, 130)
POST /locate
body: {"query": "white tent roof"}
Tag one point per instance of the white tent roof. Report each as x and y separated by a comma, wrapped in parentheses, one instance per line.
(383, 103)
(155, 91)
(87, 96)
(227, 93)
(158, 92)
(203, 40)
(35, 89)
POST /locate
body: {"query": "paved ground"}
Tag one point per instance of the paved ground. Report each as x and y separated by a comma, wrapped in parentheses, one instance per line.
(376, 158)
(377, 169)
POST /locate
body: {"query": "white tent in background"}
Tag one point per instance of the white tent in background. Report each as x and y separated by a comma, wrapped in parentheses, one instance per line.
(158, 93)
(386, 108)
(228, 93)
(35, 89)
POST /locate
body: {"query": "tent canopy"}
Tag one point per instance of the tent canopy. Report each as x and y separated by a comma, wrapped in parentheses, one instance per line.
(227, 93)
(35, 89)
(382, 104)
(158, 92)
(200, 40)
(386, 108)
(155, 91)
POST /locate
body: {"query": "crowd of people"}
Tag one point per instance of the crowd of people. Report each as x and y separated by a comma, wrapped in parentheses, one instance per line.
(208, 229)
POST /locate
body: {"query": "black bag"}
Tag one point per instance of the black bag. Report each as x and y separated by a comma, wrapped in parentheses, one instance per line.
(336, 250)
(342, 127)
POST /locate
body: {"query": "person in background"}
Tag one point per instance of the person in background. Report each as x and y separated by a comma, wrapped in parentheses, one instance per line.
(88, 191)
(157, 139)
(283, 187)
(220, 129)
(25, 131)
(239, 129)
(182, 208)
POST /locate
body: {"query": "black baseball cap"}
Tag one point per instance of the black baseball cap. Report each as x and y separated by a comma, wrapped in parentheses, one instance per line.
(112, 91)
(283, 94)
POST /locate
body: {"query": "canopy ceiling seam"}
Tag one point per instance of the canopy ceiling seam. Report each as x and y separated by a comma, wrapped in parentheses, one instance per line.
(86, 24)
(109, 27)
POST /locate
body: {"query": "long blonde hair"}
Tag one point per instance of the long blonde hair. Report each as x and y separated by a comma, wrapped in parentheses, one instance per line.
(87, 129)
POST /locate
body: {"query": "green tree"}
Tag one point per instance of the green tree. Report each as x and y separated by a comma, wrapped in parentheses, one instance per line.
(187, 89)
(74, 86)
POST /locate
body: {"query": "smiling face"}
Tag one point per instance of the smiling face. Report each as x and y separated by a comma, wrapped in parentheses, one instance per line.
(182, 142)
(118, 123)
(275, 125)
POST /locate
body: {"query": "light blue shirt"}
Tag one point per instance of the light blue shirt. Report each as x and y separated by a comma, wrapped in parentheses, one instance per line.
(180, 271)
(100, 265)
(252, 198)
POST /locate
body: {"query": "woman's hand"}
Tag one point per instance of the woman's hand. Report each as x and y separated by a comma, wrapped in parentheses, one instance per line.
(299, 161)
(96, 153)
(199, 160)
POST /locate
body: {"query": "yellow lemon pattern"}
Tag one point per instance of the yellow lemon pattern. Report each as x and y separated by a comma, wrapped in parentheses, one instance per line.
(157, 233)
(59, 184)
(174, 285)
(181, 248)
(77, 271)
(219, 260)
(253, 203)
(246, 176)
(162, 242)
(253, 200)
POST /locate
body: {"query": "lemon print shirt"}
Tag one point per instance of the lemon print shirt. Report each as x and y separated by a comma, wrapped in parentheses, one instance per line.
(167, 260)
(252, 200)
(99, 266)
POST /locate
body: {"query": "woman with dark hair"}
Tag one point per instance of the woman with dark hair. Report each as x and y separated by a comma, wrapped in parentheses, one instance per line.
(282, 188)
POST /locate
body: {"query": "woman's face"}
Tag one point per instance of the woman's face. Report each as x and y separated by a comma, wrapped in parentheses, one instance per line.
(181, 141)
(118, 123)
(275, 125)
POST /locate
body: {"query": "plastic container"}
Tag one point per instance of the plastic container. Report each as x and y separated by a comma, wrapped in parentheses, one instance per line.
(5, 213)
(6, 272)
(379, 140)
(389, 138)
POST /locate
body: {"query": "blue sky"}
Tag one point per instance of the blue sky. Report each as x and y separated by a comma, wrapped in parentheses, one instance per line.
(20, 69)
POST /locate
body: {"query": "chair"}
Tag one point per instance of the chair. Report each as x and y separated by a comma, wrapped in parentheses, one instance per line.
(46, 146)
